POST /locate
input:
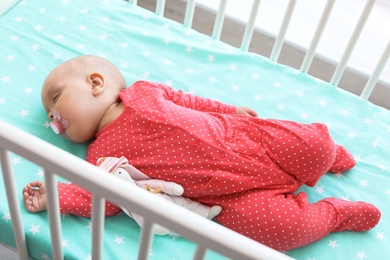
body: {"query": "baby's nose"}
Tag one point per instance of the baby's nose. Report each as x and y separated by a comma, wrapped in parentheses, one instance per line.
(50, 115)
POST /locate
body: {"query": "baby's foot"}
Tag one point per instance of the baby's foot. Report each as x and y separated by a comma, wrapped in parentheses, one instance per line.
(214, 211)
(343, 161)
(354, 215)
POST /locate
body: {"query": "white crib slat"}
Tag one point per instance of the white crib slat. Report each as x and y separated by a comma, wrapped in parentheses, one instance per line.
(317, 36)
(376, 73)
(352, 42)
(98, 205)
(200, 252)
(146, 240)
(189, 15)
(250, 26)
(53, 211)
(160, 6)
(13, 204)
(282, 32)
(219, 19)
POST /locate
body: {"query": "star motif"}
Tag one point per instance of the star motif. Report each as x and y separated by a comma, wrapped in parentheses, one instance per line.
(61, 18)
(42, 10)
(146, 53)
(233, 67)
(24, 112)
(65, 243)
(34, 229)
(258, 97)
(2, 101)
(361, 255)
(10, 58)
(146, 74)
(40, 174)
(255, 76)
(104, 19)
(82, 28)
(323, 103)
(363, 183)
(57, 56)
(190, 71)
(351, 135)
(35, 47)
(167, 62)
(380, 236)
(167, 41)
(80, 46)
(28, 90)
(84, 10)
(345, 197)
(6, 79)
(382, 167)
(47, 124)
(374, 143)
(123, 65)
(277, 85)
(38, 27)
(18, 19)
(89, 257)
(338, 175)
(320, 189)
(235, 88)
(388, 191)
(300, 93)
(345, 112)
(212, 79)
(119, 240)
(124, 45)
(368, 121)
(304, 116)
(6, 216)
(45, 256)
(16, 160)
(281, 106)
(333, 243)
(59, 37)
(14, 38)
(189, 49)
(32, 68)
(210, 58)
(89, 225)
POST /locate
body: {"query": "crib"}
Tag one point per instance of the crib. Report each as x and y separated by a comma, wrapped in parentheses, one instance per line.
(38, 35)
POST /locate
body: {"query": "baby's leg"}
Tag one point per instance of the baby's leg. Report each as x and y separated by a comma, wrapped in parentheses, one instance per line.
(285, 222)
(305, 151)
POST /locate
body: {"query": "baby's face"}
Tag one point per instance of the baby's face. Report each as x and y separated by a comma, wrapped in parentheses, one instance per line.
(68, 100)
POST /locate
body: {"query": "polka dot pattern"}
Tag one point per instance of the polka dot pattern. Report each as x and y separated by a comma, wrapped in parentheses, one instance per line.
(249, 166)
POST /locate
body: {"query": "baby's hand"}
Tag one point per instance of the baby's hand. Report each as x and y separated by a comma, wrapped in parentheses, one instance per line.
(34, 196)
(247, 111)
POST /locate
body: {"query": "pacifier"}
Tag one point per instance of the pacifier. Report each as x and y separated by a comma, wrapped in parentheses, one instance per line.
(58, 124)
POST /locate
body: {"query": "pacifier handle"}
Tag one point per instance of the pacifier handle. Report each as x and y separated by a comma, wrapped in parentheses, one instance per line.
(56, 127)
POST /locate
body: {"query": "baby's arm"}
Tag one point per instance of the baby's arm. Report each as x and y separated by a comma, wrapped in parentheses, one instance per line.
(74, 200)
(34, 196)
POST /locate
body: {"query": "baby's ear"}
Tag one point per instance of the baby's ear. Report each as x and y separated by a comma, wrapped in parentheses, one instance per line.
(97, 83)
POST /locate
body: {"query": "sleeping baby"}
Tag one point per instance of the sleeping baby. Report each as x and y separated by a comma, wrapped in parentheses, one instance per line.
(219, 153)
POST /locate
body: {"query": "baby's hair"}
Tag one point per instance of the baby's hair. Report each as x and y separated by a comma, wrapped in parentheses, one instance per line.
(100, 65)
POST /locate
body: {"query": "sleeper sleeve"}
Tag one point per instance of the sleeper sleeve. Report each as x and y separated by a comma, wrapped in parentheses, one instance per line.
(75, 200)
(196, 102)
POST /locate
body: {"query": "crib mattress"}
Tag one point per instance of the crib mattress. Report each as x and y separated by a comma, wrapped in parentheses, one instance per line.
(37, 35)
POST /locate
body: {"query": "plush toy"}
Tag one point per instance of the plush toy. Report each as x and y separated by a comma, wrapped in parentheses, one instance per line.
(168, 190)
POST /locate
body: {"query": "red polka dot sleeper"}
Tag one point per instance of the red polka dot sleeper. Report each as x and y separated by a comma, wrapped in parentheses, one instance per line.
(250, 166)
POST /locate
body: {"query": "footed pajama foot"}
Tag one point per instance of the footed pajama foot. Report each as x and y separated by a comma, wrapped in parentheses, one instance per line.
(343, 161)
(354, 215)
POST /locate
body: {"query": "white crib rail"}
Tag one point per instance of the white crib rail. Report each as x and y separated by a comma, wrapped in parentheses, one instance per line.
(205, 233)
(280, 37)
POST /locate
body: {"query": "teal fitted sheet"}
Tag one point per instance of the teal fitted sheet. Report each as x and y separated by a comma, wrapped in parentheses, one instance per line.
(37, 35)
